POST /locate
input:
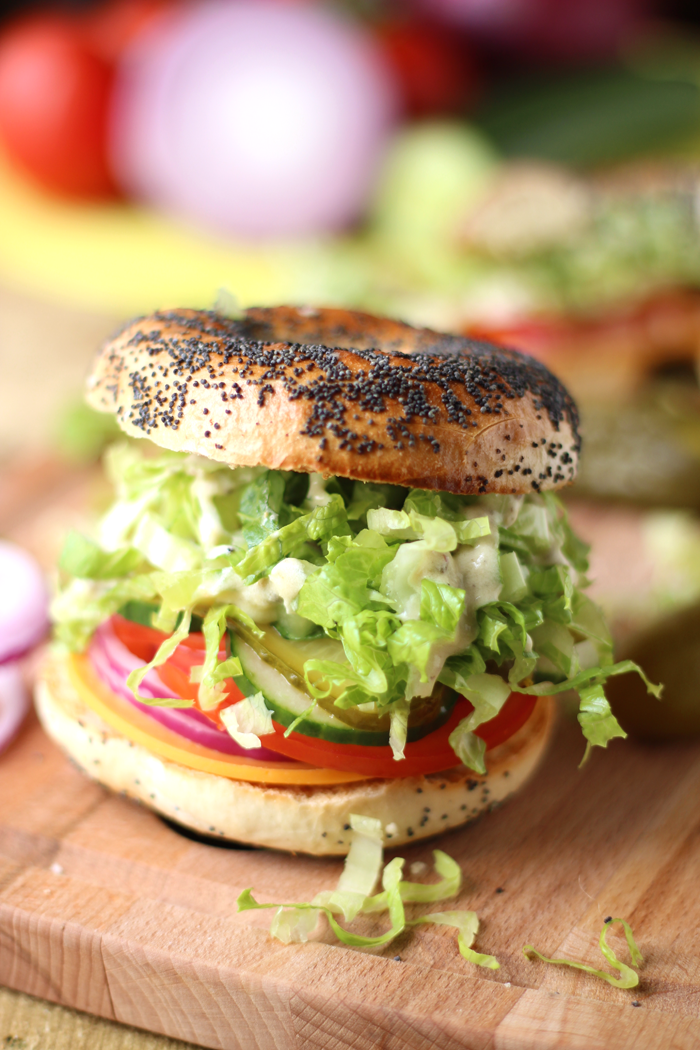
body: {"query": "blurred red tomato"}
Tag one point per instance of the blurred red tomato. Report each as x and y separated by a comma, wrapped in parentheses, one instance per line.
(110, 27)
(56, 75)
(435, 70)
(54, 96)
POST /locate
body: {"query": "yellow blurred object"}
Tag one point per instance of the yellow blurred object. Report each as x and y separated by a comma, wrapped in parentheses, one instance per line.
(121, 259)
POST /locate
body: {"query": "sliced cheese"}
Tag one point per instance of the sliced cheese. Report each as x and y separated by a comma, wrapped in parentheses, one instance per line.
(141, 729)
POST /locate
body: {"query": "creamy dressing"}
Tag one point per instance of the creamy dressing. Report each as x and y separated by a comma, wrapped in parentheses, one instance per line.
(500, 510)
(402, 577)
(259, 600)
(478, 572)
(263, 600)
(317, 495)
(471, 567)
(204, 488)
(287, 578)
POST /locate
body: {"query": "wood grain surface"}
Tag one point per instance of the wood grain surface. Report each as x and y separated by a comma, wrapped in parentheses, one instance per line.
(107, 910)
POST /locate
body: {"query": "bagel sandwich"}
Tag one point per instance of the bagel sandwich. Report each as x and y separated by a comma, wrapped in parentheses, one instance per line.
(335, 579)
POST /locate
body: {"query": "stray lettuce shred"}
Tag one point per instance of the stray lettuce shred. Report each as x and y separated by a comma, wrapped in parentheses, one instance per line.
(482, 594)
(248, 720)
(166, 650)
(353, 896)
(628, 977)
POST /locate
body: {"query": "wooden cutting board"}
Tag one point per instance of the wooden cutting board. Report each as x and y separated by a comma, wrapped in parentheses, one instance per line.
(105, 908)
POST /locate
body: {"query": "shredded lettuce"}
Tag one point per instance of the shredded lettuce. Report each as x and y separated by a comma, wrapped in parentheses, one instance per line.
(391, 879)
(167, 649)
(469, 748)
(247, 720)
(436, 533)
(214, 671)
(352, 897)
(467, 925)
(628, 977)
(84, 558)
(362, 868)
(480, 593)
(424, 893)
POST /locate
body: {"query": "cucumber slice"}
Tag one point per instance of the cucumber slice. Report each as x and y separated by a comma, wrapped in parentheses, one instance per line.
(295, 652)
(139, 612)
(288, 701)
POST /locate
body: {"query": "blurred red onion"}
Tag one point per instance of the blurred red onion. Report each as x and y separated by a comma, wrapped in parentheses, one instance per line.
(14, 703)
(560, 30)
(260, 119)
(23, 609)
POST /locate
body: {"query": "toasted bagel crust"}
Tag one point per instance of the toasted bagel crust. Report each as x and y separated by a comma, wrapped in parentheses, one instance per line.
(300, 819)
(340, 393)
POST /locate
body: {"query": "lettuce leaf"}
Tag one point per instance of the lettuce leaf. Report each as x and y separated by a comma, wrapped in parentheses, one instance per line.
(628, 977)
(260, 506)
(441, 605)
(488, 693)
(398, 728)
(436, 533)
(167, 649)
(424, 893)
(596, 719)
(85, 559)
(343, 588)
(391, 879)
(467, 925)
(369, 495)
(362, 867)
(295, 922)
(187, 534)
(214, 672)
(469, 748)
(247, 720)
(514, 580)
(79, 609)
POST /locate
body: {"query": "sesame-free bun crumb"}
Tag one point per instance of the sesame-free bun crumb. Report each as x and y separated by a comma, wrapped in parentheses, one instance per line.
(340, 393)
(299, 819)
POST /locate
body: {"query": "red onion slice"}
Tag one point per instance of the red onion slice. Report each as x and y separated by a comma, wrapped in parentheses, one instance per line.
(14, 703)
(113, 662)
(23, 611)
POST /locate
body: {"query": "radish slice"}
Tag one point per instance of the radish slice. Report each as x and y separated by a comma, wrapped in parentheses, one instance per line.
(113, 662)
(24, 608)
(14, 702)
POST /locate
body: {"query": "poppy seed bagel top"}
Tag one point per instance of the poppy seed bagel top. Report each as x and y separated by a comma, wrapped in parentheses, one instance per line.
(340, 392)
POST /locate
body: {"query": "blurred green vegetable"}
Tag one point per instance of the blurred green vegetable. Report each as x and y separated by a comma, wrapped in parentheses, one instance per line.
(645, 451)
(670, 651)
(82, 434)
(592, 118)
(432, 175)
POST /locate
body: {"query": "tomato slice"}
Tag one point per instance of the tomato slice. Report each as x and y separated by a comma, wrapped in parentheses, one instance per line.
(144, 642)
(431, 754)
